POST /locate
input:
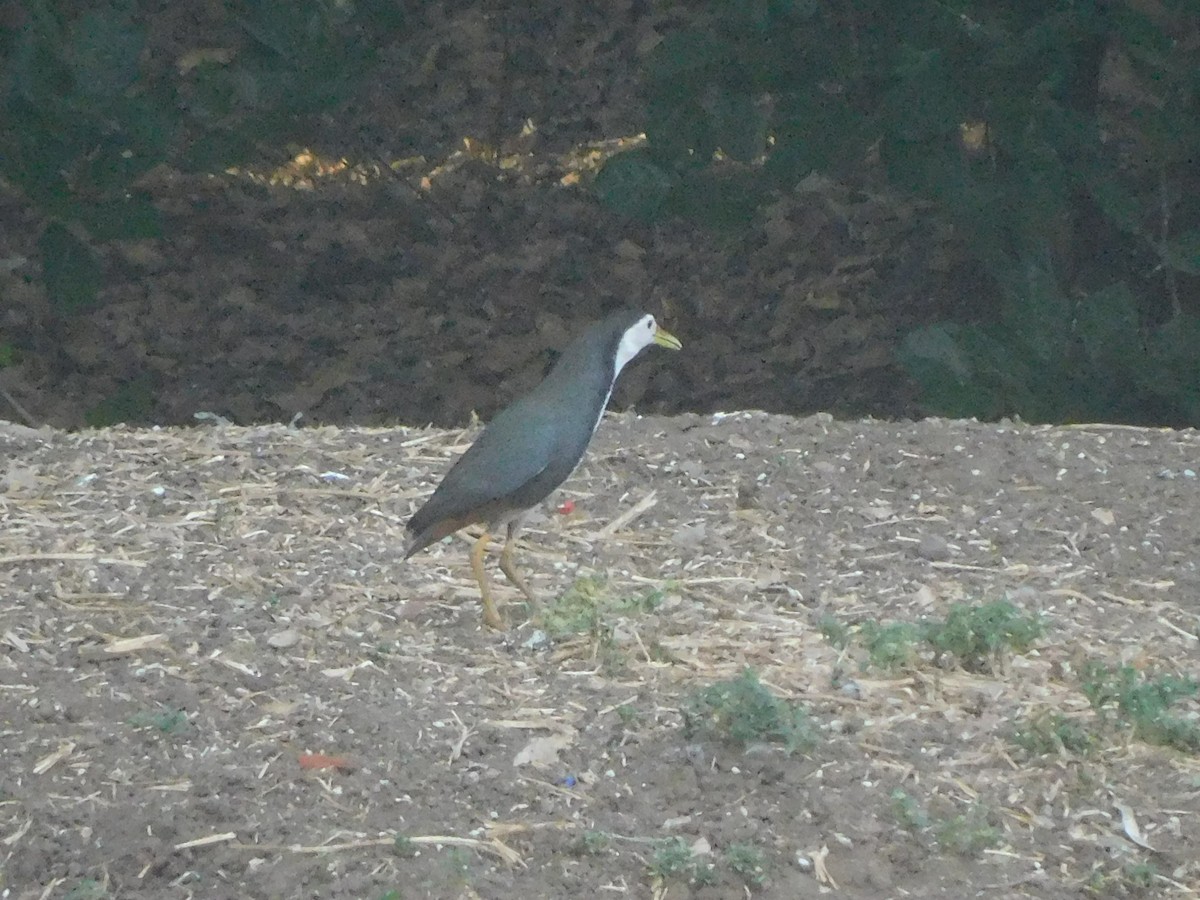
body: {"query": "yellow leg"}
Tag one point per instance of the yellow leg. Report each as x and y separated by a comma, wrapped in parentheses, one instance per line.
(510, 570)
(491, 616)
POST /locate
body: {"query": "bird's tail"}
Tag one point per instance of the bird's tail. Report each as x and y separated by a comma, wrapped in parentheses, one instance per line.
(420, 540)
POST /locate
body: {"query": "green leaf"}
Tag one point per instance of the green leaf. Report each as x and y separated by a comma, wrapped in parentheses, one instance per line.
(724, 201)
(71, 270)
(130, 402)
(1119, 205)
(1174, 373)
(739, 125)
(385, 15)
(283, 28)
(1183, 252)
(1005, 371)
(680, 136)
(938, 358)
(685, 58)
(940, 346)
(38, 74)
(818, 131)
(131, 216)
(39, 174)
(104, 49)
(217, 149)
(932, 166)
(633, 185)
(1141, 36)
(1037, 315)
(928, 100)
(1107, 323)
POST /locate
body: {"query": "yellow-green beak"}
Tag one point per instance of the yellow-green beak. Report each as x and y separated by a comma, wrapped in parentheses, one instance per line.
(664, 338)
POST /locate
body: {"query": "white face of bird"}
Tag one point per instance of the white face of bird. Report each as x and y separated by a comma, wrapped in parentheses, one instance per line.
(640, 335)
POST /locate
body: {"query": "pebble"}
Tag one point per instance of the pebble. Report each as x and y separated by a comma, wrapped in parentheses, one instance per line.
(281, 640)
(933, 547)
(536, 640)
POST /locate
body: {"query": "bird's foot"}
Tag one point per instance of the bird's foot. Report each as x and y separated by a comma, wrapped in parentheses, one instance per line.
(492, 618)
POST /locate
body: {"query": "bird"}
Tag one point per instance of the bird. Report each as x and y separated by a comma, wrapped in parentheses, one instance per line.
(531, 447)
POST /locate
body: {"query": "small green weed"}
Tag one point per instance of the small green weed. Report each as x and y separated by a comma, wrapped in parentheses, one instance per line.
(578, 610)
(742, 711)
(703, 873)
(646, 603)
(458, 862)
(747, 861)
(588, 606)
(1046, 733)
(908, 812)
(1143, 704)
(1131, 880)
(890, 647)
(393, 894)
(979, 637)
(592, 843)
(1084, 785)
(87, 889)
(402, 845)
(131, 401)
(834, 631)
(629, 714)
(165, 720)
(673, 858)
(383, 650)
(1140, 876)
(968, 834)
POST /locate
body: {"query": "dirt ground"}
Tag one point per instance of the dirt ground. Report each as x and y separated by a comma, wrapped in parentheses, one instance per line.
(218, 678)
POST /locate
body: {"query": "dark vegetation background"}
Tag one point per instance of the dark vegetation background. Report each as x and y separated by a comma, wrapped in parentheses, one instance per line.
(377, 211)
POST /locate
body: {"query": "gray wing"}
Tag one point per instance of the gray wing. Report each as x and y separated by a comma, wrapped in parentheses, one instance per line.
(505, 460)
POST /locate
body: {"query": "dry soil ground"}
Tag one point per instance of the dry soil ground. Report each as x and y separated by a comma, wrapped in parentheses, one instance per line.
(218, 679)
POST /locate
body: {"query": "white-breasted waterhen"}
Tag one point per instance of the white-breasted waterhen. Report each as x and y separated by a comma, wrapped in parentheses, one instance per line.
(532, 446)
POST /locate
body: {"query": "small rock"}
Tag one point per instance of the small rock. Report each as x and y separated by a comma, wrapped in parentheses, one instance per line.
(933, 547)
(239, 296)
(1025, 597)
(689, 536)
(627, 249)
(542, 752)
(749, 495)
(281, 640)
(851, 688)
(536, 641)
